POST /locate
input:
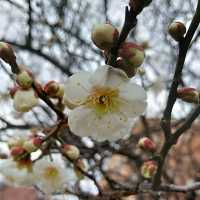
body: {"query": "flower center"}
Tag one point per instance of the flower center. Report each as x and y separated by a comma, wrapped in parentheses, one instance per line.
(103, 99)
(51, 172)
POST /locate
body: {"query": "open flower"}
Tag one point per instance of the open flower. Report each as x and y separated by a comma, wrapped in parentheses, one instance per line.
(105, 103)
(51, 177)
(15, 175)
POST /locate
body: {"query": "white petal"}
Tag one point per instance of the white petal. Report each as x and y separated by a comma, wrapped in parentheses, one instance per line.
(108, 76)
(76, 88)
(85, 122)
(16, 176)
(133, 99)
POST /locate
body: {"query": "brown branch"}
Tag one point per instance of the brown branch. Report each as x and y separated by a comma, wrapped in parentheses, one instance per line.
(184, 45)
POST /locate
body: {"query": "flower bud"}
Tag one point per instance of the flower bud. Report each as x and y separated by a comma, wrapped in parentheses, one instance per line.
(147, 144)
(148, 169)
(25, 100)
(37, 141)
(132, 54)
(7, 53)
(177, 30)
(54, 89)
(130, 71)
(25, 79)
(189, 95)
(51, 88)
(104, 36)
(71, 151)
(17, 151)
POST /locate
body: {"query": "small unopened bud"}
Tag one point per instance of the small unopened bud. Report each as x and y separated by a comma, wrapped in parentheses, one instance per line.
(17, 151)
(51, 88)
(177, 30)
(37, 141)
(71, 151)
(7, 53)
(132, 54)
(25, 100)
(130, 71)
(25, 79)
(148, 169)
(54, 89)
(190, 95)
(147, 144)
(104, 36)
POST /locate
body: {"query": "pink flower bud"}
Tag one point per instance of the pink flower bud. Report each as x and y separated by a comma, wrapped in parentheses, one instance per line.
(17, 151)
(37, 141)
(25, 79)
(25, 100)
(147, 144)
(7, 53)
(104, 36)
(148, 169)
(132, 54)
(130, 71)
(189, 95)
(177, 30)
(71, 151)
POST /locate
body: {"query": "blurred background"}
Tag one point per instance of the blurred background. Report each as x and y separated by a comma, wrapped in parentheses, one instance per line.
(52, 38)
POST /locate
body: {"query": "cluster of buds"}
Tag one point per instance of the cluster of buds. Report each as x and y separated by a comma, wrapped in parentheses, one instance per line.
(19, 146)
(130, 55)
(147, 144)
(148, 169)
(54, 90)
(104, 36)
(71, 151)
(190, 95)
(177, 30)
(7, 53)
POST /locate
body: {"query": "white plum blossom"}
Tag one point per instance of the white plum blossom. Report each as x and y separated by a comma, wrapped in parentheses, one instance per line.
(52, 176)
(25, 100)
(105, 103)
(15, 175)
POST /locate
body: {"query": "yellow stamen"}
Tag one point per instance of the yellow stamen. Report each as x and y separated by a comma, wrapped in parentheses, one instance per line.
(51, 172)
(103, 99)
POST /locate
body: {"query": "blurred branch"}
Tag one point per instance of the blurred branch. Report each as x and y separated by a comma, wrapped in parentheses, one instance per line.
(9, 125)
(30, 24)
(38, 52)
